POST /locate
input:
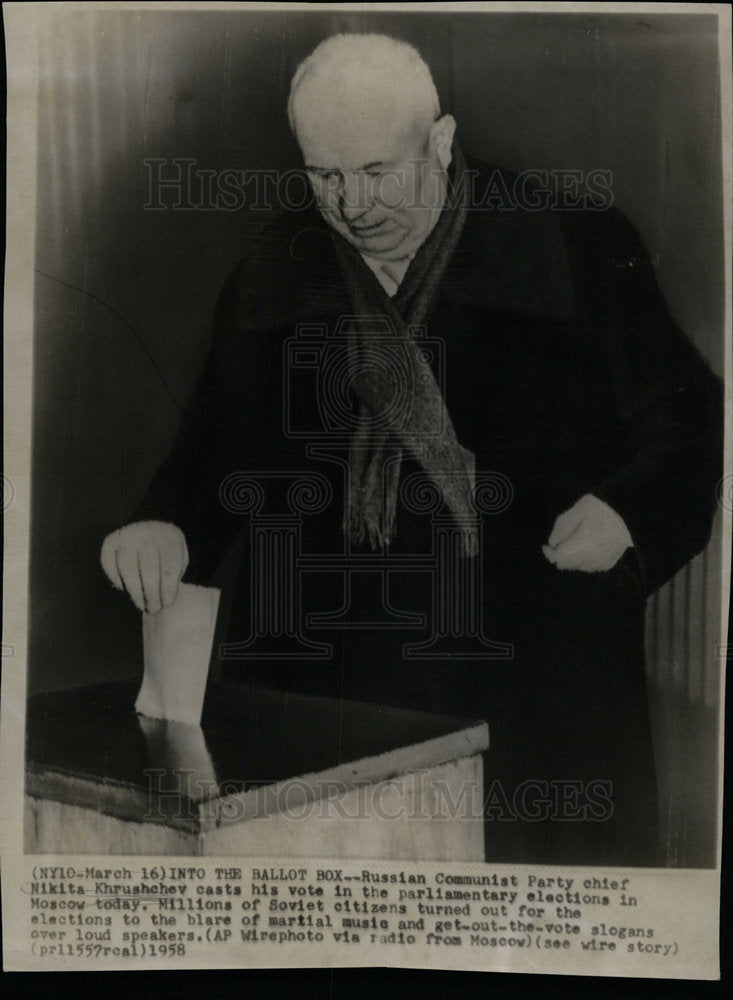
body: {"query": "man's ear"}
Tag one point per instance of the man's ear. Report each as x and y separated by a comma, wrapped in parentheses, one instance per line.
(441, 139)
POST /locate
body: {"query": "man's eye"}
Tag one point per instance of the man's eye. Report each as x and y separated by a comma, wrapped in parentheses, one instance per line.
(320, 178)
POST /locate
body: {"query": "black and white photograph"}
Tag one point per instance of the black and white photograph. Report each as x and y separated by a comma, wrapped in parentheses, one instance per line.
(377, 501)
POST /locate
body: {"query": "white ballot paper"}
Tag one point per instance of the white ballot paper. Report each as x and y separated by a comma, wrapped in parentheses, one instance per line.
(179, 747)
(273, 270)
(177, 649)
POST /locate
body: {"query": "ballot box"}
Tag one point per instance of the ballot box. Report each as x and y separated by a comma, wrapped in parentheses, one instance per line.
(267, 773)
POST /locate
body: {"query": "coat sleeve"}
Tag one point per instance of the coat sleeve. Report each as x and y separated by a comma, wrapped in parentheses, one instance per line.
(669, 402)
(220, 435)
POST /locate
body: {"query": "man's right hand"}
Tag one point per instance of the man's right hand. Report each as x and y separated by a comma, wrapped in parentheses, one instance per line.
(147, 559)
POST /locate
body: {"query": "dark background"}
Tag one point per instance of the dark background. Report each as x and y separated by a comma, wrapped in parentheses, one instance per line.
(124, 296)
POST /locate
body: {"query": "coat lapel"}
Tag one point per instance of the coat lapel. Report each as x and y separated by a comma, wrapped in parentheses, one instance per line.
(515, 263)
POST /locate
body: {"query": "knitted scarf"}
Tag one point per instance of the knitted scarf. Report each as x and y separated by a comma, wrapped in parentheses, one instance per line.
(399, 405)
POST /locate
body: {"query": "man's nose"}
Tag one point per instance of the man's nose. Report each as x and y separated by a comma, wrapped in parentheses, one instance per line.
(352, 197)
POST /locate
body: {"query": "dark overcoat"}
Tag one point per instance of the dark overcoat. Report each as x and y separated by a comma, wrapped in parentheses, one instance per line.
(564, 373)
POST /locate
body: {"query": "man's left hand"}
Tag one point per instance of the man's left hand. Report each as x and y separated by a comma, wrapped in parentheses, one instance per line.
(590, 537)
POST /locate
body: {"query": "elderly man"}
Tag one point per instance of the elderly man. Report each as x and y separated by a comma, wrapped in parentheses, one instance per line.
(558, 372)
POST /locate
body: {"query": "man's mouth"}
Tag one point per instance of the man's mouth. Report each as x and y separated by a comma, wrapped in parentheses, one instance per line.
(374, 229)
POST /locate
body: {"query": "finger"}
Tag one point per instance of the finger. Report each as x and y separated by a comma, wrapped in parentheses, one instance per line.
(564, 526)
(571, 562)
(149, 563)
(129, 573)
(549, 553)
(601, 561)
(571, 554)
(171, 570)
(590, 565)
(109, 561)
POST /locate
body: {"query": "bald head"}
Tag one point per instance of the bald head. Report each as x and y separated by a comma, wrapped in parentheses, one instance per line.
(374, 77)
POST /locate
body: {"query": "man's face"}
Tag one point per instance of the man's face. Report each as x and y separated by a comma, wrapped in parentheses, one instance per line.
(377, 177)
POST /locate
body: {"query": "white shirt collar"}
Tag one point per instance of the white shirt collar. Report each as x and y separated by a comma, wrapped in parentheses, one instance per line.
(390, 273)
